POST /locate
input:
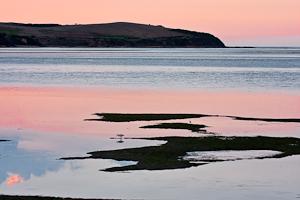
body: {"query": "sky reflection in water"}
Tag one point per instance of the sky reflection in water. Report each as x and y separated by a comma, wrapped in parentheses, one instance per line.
(44, 119)
(45, 124)
(231, 179)
(56, 109)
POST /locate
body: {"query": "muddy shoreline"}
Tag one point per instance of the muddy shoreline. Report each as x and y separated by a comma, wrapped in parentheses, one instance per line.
(120, 117)
(168, 156)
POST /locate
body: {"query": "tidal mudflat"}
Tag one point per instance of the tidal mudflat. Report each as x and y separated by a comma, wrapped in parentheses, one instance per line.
(170, 154)
(46, 95)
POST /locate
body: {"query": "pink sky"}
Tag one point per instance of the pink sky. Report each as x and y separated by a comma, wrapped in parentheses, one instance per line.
(247, 22)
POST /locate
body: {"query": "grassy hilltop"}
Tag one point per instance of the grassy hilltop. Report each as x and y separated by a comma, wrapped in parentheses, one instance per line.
(120, 34)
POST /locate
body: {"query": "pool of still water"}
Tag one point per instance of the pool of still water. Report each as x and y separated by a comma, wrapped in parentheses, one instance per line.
(45, 95)
(40, 135)
(243, 179)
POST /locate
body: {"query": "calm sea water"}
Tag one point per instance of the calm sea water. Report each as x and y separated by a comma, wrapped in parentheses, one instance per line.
(46, 93)
(250, 70)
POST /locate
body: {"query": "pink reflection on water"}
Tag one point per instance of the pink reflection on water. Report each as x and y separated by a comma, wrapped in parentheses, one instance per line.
(228, 127)
(57, 109)
(14, 179)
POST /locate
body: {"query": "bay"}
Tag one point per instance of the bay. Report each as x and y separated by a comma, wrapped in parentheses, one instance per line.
(244, 70)
(46, 93)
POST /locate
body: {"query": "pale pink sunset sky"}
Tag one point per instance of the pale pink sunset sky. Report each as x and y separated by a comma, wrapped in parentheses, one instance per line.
(235, 22)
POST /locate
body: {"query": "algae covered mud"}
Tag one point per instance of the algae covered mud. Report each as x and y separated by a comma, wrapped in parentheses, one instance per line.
(240, 103)
(169, 155)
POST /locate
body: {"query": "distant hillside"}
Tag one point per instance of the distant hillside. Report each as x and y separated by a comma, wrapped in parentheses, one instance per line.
(120, 34)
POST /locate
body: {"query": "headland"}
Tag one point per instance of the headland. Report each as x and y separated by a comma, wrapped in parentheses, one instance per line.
(119, 34)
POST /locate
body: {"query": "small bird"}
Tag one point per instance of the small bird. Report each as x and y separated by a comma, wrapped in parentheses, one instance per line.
(120, 135)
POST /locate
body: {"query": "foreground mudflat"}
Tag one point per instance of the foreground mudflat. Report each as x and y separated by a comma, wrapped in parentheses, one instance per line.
(128, 117)
(192, 127)
(168, 155)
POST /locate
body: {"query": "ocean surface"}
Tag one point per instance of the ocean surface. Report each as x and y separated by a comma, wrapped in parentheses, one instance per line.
(250, 70)
(47, 93)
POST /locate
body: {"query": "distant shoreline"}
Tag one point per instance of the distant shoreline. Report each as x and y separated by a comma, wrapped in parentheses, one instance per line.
(120, 47)
(120, 34)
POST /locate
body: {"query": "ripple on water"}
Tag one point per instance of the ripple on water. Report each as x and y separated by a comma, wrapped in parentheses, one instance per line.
(228, 155)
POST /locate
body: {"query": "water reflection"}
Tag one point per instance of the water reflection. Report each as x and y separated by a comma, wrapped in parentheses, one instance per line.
(45, 124)
(14, 179)
(227, 126)
(228, 155)
(120, 140)
(64, 109)
(33, 153)
(243, 178)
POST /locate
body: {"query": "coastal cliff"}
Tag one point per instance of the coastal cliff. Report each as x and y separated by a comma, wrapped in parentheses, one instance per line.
(119, 34)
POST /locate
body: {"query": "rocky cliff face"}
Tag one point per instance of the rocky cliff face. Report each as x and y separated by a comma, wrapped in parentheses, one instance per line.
(103, 35)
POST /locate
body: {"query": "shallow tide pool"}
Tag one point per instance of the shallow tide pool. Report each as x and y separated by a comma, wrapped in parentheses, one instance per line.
(46, 95)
